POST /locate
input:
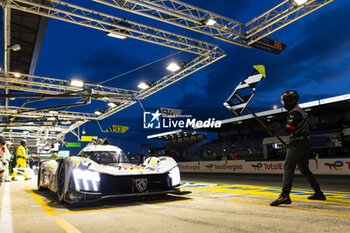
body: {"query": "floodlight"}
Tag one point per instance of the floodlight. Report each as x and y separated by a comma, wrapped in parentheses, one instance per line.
(173, 67)
(144, 85)
(76, 83)
(300, 2)
(297, 3)
(111, 104)
(15, 47)
(116, 35)
(210, 21)
(97, 112)
(275, 107)
(17, 75)
(53, 112)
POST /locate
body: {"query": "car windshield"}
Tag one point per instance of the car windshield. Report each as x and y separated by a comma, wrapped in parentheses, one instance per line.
(105, 157)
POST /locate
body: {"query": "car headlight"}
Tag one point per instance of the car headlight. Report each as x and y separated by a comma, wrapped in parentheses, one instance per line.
(174, 175)
(86, 180)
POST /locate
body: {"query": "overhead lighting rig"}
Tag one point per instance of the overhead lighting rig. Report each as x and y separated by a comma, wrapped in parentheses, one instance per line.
(209, 21)
(76, 83)
(298, 2)
(145, 85)
(190, 17)
(173, 67)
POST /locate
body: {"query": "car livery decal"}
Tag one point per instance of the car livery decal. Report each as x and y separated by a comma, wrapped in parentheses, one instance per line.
(77, 160)
(131, 167)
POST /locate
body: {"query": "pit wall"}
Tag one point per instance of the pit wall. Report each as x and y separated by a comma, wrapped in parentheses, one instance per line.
(317, 166)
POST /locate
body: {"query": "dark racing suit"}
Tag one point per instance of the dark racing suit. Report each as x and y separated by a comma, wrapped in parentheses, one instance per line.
(297, 128)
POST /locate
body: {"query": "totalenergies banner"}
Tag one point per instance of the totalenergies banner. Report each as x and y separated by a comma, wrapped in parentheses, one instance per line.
(317, 166)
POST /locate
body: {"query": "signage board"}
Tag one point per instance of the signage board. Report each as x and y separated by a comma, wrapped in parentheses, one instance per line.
(269, 45)
(87, 138)
(63, 153)
(73, 144)
(118, 129)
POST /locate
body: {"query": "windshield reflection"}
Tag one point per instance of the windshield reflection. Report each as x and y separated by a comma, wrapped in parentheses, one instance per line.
(105, 157)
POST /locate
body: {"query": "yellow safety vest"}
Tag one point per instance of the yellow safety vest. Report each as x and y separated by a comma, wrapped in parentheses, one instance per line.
(21, 152)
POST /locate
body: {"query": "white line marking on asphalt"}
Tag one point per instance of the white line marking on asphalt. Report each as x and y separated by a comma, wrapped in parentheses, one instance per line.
(148, 205)
(6, 214)
(225, 195)
(34, 206)
(198, 197)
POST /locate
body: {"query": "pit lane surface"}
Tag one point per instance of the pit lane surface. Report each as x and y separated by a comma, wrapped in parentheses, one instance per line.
(218, 203)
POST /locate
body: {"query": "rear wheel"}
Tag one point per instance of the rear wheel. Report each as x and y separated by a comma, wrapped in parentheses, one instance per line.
(61, 176)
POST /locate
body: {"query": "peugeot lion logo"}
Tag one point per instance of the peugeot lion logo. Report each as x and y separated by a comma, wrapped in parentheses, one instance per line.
(141, 184)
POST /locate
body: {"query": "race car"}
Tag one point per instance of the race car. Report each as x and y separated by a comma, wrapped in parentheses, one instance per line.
(103, 171)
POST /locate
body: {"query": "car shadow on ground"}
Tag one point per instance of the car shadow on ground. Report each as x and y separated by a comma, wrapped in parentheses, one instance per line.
(51, 200)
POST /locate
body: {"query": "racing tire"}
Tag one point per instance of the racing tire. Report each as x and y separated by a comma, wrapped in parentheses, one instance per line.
(61, 176)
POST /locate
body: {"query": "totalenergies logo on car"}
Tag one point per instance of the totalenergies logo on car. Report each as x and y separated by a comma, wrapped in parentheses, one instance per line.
(336, 165)
(257, 166)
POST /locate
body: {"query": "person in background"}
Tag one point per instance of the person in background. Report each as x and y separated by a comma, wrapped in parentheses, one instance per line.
(21, 159)
(297, 128)
(2, 155)
(54, 156)
(6, 161)
(234, 155)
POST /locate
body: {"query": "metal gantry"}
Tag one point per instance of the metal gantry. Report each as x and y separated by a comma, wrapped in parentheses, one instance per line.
(193, 18)
(75, 14)
(169, 11)
(44, 85)
(184, 15)
(279, 17)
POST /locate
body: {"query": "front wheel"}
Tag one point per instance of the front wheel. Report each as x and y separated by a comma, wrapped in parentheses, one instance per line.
(40, 188)
(61, 176)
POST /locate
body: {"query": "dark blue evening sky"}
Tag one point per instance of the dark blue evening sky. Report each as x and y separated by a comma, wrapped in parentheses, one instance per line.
(316, 62)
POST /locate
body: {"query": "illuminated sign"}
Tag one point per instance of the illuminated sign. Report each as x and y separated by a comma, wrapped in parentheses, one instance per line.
(63, 153)
(73, 144)
(268, 45)
(88, 138)
(118, 129)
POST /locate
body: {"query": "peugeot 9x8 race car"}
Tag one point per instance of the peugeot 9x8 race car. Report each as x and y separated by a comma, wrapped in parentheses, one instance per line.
(103, 171)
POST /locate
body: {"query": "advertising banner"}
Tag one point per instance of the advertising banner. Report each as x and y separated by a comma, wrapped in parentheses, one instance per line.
(317, 166)
(118, 129)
